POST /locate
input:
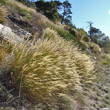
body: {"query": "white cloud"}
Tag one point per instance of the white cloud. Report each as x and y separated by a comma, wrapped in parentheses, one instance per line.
(109, 12)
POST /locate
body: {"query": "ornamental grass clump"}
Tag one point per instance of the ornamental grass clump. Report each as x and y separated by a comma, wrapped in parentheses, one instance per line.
(50, 67)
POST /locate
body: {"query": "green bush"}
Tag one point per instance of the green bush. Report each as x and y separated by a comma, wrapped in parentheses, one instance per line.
(65, 34)
(24, 12)
(3, 2)
(105, 58)
(95, 48)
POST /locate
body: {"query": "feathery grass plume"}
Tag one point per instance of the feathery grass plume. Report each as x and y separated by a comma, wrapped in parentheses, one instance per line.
(2, 14)
(49, 67)
(45, 70)
(83, 62)
(50, 34)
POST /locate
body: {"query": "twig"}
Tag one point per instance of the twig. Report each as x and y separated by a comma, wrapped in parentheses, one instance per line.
(20, 89)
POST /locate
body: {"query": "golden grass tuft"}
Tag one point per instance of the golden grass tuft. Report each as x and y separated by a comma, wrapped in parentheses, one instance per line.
(50, 34)
(49, 68)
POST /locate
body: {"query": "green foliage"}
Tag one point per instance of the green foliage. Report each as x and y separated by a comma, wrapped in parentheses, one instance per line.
(65, 34)
(73, 32)
(66, 15)
(105, 62)
(25, 13)
(3, 2)
(49, 9)
(105, 44)
(105, 59)
(106, 101)
(82, 32)
(22, 11)
(100, 38)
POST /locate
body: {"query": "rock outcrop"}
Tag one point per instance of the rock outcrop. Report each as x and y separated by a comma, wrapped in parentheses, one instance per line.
(7, 34)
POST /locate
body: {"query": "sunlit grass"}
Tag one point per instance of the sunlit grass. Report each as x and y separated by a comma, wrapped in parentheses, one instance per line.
(48, 68)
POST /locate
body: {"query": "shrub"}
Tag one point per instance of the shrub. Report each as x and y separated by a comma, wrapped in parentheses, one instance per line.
(24, 12)
(50, 67)
(86, 39)
(105, 59)
(3, 2)
(74, 32)
(105, 56)
(95, 48)
(65, 34)
(81, 32)
(85, 44)
(105, 62)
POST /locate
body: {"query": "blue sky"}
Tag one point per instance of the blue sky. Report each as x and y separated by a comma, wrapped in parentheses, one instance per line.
(97, 11)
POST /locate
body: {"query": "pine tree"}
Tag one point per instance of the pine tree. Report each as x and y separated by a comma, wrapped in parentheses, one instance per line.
(49, 9)
(40, 5)
(66, 15)
(59, 4)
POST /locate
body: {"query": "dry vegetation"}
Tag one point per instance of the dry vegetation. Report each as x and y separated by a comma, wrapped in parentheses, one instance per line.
(2, 14)
(50, 67)
(53, 69)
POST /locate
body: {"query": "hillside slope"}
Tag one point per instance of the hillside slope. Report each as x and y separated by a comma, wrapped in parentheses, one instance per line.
(52, 68)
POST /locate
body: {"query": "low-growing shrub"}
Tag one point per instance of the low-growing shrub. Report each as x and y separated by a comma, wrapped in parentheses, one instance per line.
(24, 12)
(85, 44)
(3, 2)
(105, 59)
(105, 56)
(105, 62)
(95, 48)
(65, 34)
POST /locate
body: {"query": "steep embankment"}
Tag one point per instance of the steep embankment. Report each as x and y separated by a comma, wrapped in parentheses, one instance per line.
(52, 73)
